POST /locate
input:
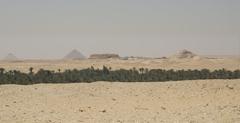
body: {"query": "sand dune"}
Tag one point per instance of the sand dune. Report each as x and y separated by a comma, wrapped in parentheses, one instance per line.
(208, 101)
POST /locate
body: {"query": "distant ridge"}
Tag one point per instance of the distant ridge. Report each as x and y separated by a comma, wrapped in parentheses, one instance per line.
(10, 57)
(74, 55)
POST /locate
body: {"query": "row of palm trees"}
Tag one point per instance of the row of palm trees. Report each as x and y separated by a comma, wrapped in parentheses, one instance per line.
(106, 74)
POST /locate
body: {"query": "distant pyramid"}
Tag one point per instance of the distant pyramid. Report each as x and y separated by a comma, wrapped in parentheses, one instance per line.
(74, 55)
(10, 57)
(184, 54)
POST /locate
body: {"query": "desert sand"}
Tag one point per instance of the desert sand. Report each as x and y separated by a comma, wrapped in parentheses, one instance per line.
(202, 101)
(209, 63)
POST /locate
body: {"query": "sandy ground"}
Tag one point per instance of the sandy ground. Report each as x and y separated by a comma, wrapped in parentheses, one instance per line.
(203, 101)
(212, 64)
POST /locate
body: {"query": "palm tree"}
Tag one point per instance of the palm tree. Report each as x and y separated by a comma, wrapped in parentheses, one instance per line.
(2, 70)
(141, 70)
(31, 70)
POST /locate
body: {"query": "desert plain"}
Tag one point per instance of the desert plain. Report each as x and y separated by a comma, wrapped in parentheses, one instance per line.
(231, 63)
(195, 101)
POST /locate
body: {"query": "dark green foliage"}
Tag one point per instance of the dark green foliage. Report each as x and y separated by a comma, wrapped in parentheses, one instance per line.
(106, 74)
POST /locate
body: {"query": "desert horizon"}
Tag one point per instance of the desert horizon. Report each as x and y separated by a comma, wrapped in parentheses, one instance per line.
(183, 59)
(128, 61)
(79, 56)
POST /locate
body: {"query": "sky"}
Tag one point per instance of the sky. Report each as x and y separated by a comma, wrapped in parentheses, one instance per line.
(155, 28)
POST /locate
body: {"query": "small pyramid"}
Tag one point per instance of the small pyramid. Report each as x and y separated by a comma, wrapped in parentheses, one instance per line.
(74, 55)
(10, 57)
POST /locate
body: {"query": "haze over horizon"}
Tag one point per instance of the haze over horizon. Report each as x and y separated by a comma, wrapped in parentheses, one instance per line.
(154, 28)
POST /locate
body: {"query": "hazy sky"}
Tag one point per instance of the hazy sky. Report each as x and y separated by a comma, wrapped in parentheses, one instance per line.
(52, 28)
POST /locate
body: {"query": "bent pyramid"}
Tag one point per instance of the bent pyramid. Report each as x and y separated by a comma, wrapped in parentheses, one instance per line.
(74, 55)
(184, 54)
(10, 57)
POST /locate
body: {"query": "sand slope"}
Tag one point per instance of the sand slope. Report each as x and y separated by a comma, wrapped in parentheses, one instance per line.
(206, 101)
